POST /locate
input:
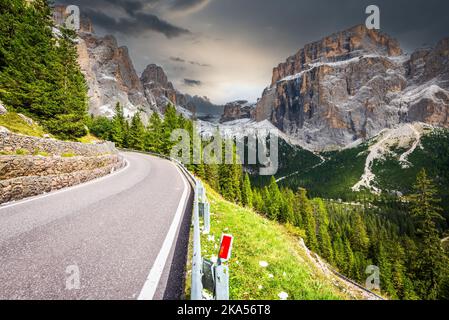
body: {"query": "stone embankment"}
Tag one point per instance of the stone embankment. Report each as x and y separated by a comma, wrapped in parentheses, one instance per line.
(31, 166)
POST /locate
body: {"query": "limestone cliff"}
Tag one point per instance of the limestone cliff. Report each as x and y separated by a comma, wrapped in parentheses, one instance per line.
(353, 84)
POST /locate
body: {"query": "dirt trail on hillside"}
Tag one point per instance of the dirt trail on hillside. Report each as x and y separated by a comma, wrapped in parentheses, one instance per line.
(345, 285)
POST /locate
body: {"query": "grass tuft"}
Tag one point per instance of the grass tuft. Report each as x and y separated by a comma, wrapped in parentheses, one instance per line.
(13, 122)
(68, 155)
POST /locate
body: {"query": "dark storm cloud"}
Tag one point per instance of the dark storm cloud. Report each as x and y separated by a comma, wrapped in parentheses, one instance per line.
(137, 24)
(244, 40)
(134, 20)
(129, 6)
(199, 64)
(195, 63)
(181, 5)
(192, 83)
(296, 22)
(177, 59)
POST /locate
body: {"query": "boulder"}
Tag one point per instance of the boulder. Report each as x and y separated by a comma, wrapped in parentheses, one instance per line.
(2, 109)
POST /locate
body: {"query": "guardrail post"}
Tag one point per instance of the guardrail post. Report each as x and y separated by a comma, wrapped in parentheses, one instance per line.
(221, 282)
(197, 263)
(206, 217)
(201, 193)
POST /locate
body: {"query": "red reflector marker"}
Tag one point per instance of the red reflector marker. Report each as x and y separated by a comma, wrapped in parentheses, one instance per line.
(225, 247)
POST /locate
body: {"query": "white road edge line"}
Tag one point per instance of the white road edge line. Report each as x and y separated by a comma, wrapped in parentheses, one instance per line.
(152, 281)
(16, 203)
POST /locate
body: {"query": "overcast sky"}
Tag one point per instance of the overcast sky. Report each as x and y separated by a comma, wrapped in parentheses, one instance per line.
(226, 49)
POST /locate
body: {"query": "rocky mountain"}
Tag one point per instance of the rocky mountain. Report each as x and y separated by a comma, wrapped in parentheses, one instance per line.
(159, 91)
(237, 110)
(348, 87)
(110, 75)
(2, 109)
(112, 78)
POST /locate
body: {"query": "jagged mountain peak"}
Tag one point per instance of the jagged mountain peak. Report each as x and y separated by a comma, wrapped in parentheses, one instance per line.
(155, 76)
(343, 45)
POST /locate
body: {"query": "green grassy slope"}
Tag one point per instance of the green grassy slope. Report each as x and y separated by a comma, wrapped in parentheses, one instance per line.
(335, 177)
(292, 159)
(257, 239)
(13, 122)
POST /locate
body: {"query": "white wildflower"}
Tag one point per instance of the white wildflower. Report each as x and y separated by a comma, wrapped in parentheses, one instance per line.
(263, 264)
(283, 295)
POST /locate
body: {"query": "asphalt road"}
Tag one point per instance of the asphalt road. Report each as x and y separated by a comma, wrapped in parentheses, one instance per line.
(100, 240)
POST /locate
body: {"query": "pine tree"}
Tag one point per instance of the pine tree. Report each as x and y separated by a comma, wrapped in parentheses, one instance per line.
(359, 237)
(118, 126)
(136, 133)
(308, 219)
(385, 271)
(212, 175)
(39, 74)
(425, 211)
(247, 194)
(349, 257)
(275, 200)
(153, 134)
(265, 200)
(257, 204)
(323, 238)
(287, 210)
(339, 254)
(231, 178)
(170, 123)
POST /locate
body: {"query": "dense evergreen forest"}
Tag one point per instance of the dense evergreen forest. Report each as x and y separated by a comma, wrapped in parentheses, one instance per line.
(39, 73)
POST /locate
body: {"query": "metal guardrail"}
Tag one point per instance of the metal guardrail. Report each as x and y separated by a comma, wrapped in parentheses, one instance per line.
(338, 274)
(205, 274)
(342, 277)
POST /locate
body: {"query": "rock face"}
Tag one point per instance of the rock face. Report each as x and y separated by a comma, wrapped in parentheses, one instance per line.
(237, 110)
(110, 75)
(112, 79)
(337, 47)
(60, 15)
(353, 84)
(159, 91)
(2, 109)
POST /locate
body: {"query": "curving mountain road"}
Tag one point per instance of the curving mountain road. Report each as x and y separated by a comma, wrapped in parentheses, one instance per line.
(124, 236)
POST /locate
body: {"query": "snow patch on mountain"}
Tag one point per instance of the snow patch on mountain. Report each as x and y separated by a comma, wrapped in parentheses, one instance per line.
(405, 136)
(237, 128)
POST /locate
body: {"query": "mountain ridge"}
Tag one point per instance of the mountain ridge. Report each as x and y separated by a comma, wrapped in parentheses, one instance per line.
(353, 84)
(112, 78)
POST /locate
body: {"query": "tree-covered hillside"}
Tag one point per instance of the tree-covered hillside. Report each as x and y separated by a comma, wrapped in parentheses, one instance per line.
(39, 74)
(341, 170)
